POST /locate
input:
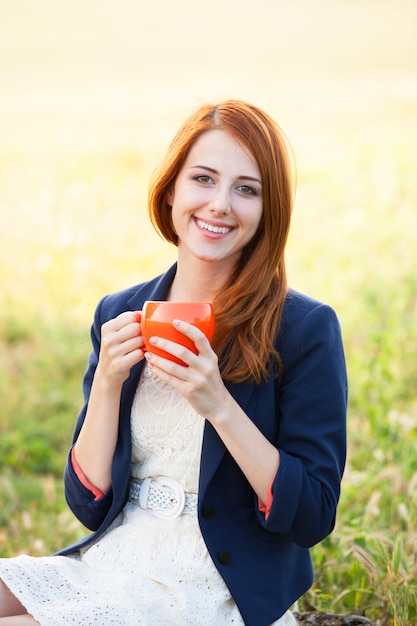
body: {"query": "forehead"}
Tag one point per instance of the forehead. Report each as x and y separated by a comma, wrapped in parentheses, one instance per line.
(218, 145)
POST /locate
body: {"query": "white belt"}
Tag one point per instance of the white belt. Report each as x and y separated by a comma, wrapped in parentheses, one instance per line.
(164, 496)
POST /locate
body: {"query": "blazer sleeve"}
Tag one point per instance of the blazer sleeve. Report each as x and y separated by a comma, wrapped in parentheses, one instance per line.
(311, 406)
(88, 510)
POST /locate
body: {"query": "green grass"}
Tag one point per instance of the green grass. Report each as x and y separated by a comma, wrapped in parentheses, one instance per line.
(368, 565)
(81, 129)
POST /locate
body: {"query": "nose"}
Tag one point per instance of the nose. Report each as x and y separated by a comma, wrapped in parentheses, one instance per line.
(220, 202)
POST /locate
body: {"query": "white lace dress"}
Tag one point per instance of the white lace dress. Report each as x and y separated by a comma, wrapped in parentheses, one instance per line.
(145, 570)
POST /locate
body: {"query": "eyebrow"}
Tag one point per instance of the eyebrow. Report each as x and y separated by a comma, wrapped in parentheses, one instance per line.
(211, 169)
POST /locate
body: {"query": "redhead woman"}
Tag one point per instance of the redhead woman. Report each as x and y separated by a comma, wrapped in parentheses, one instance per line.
(204, 484)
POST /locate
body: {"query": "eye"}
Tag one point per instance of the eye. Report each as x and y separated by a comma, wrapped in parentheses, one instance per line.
(204, 179)
(247, 190)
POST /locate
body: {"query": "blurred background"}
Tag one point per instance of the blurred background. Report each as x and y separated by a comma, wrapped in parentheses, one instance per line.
(91, 93)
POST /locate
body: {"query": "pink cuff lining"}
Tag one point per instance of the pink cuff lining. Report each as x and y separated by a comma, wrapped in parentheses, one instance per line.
(266, 508)
(83, 478)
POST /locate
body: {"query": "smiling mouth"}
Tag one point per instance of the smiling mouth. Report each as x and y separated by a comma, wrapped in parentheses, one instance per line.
(213, 229)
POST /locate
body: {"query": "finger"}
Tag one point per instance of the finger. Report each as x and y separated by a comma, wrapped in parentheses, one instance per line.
(125, 325)
(177, 350)
(132, 344)
(192, 332)
(175, 375)
(160, 363)
(119, 337)
(121, 321)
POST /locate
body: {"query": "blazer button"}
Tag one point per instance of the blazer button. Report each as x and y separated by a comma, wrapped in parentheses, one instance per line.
(224, 557)
(209, 511)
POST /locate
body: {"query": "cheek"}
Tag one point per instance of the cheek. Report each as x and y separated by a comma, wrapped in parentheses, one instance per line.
(256, 217)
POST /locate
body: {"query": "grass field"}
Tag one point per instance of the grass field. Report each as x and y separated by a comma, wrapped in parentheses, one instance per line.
(90, 95)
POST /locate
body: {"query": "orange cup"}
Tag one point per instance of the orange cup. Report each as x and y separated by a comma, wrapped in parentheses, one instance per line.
(157, 317)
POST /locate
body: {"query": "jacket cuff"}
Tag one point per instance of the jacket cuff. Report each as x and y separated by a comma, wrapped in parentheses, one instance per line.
(266, 508)
(97, 493)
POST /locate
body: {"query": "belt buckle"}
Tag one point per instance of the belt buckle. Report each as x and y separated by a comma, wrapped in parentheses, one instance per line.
(177, 500)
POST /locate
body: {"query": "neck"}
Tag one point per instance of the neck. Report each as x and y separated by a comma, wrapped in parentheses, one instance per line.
(198, 283)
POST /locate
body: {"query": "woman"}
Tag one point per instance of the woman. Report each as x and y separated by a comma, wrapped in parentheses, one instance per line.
(251, 434)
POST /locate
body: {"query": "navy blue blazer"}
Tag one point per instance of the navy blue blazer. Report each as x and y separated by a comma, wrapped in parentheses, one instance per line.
(265, 563)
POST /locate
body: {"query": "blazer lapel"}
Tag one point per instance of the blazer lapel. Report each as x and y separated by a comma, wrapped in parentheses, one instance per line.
(213, 448)
(155, 290)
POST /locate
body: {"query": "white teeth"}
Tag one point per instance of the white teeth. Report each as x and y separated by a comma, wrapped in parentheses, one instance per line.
(213, 229)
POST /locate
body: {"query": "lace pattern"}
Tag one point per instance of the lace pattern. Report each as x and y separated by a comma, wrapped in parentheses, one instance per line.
(166, 433)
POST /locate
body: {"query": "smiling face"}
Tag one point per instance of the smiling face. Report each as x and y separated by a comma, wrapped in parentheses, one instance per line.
(216, 200)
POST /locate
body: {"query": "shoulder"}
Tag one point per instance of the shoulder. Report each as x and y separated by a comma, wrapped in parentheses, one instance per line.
(132, 298)
(298, 303)
(298, 306)
(123, 296)
(305, 317)
(111, 305)
(310, 343)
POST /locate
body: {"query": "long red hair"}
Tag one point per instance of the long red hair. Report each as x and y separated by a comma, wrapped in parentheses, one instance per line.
(248, 310)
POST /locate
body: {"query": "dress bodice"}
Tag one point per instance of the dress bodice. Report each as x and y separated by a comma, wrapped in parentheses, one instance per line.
(166, 433)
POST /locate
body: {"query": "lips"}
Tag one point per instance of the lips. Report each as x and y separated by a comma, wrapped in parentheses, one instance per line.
(218, 230)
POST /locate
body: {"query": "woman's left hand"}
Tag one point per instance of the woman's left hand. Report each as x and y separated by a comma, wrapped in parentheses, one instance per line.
(200, 383)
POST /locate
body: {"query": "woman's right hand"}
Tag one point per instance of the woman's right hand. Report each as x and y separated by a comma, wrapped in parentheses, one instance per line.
(122, 346)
